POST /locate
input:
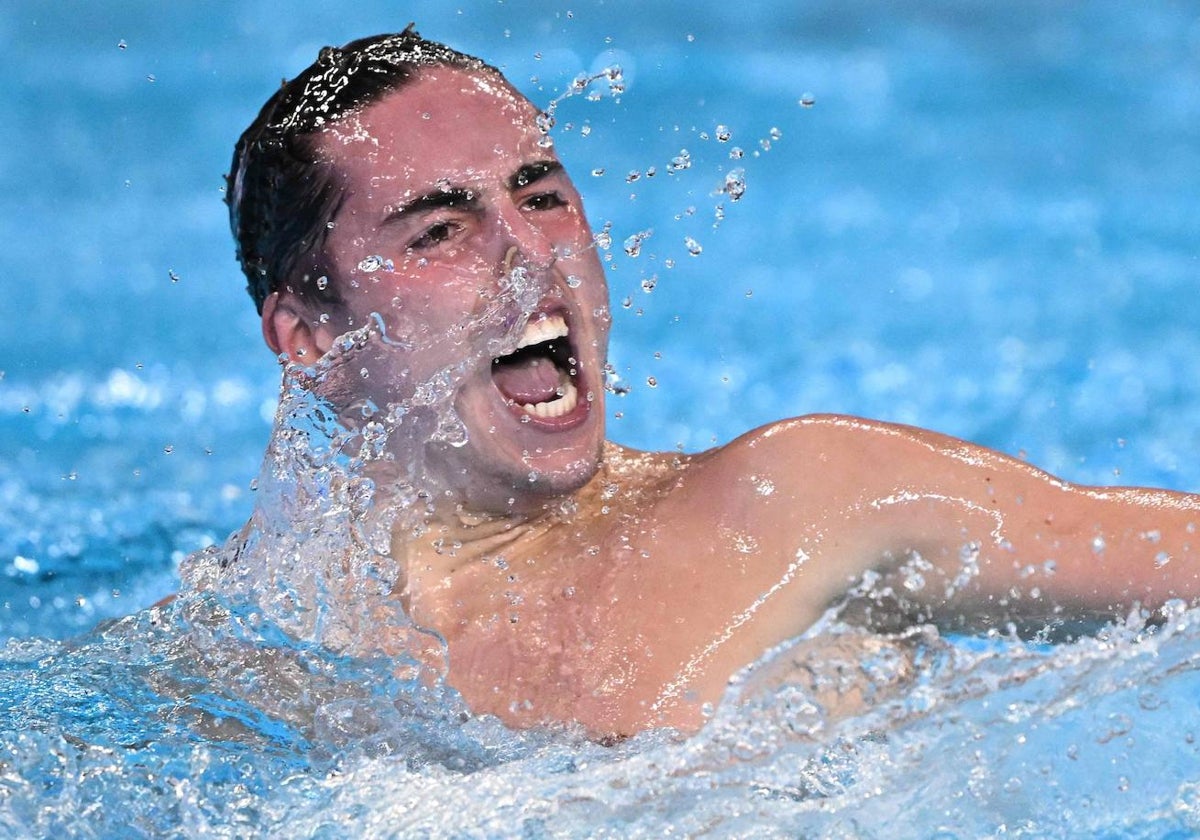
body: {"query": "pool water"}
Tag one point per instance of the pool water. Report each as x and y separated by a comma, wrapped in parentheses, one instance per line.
(978, 218)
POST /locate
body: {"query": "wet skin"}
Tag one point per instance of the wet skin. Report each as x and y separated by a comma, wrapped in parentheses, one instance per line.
(580, 582)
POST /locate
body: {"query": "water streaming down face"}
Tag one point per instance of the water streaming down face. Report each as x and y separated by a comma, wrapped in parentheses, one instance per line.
(188, 718)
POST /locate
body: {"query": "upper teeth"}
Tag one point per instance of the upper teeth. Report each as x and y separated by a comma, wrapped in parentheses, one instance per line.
(544, 329)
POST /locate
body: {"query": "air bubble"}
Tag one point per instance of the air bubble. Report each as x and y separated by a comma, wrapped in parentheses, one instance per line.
(322, 282)
(648, 283)
(693, 247)
(598, 172)
(736, 153)
(573, 281)
(174, 277)
(807, 100)
(723, 133)
(775, 133)
(651, 381)
(371, 264)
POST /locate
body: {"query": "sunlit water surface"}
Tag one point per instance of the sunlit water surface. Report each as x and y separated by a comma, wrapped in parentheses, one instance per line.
(976, 218)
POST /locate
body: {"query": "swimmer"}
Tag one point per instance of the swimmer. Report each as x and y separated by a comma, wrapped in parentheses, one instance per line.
(407, 194)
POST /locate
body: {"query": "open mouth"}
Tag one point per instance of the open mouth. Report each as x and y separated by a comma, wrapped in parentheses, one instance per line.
(540, 376)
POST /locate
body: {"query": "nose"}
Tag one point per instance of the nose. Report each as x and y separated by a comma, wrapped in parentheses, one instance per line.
(524, 240)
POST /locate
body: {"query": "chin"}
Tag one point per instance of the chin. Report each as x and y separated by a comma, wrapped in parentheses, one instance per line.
(488, 481)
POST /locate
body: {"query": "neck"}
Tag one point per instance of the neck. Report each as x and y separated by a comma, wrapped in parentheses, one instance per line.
(449, 541)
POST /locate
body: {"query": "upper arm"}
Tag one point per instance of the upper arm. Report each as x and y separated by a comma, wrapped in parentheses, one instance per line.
(852, 495)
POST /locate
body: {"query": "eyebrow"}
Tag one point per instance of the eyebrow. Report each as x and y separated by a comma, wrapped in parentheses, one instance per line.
(451, 197)
(531, 172)
(435, 200)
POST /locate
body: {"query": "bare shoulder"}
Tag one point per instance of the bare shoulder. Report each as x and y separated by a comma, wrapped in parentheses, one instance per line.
(826, 445)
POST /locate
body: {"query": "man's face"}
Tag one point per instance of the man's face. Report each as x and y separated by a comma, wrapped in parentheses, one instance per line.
(460, 231)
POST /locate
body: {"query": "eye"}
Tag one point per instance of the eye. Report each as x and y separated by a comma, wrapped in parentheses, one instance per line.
(434, 235)
(544, 201)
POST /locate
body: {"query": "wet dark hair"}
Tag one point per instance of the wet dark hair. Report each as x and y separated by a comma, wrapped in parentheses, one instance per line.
(279, 193)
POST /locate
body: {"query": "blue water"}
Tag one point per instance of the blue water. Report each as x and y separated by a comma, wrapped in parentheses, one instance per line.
(987, 223)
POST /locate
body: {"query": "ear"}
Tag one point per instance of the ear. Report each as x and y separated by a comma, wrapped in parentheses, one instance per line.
(289, 333)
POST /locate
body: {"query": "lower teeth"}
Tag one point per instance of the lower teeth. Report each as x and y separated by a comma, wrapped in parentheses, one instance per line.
(564, 404)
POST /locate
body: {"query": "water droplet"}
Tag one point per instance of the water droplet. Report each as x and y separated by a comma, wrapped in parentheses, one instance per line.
(736, 153)
(544, 122)
(168, 449)
(585, 130)
(573, 281)
(693, 247)
(632, 176)
(371, 264)
(121, 45)
(775, 133)
(174, 277)
(598, 171)
(151, 78)
(534, 475)
(735, 184)
(616, 80)
(648, 283)
(651, 381)
(603, 239)
(633, 245)
(1161, 559)
(322, 282)
(807, 100)
(680, 162)
(723, 133)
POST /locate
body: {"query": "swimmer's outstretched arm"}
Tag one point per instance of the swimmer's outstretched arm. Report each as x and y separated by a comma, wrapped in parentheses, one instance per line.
(958, 530)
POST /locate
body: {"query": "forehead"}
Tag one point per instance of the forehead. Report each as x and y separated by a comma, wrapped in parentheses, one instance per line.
(444, 124)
